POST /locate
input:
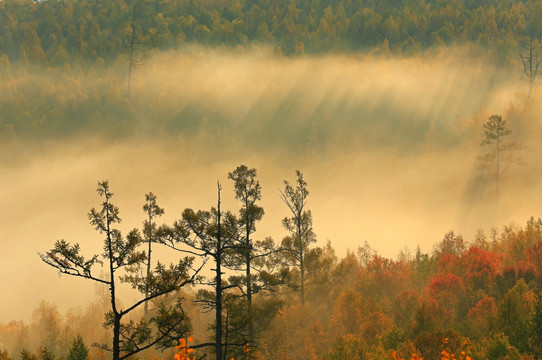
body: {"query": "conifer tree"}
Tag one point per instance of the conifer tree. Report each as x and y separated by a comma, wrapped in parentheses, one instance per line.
(495, 131)
(78, 350)
(299, 225)
(121, 254)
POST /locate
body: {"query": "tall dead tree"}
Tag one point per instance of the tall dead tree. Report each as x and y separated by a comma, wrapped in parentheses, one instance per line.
(132, 44)
(531, 59)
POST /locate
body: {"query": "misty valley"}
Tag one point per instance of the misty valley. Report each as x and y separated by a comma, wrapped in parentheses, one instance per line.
(270, 179)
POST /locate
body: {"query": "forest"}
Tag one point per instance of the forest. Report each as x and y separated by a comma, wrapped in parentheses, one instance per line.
(292, 299)
(88, 41)
(413, 126)
(56, 32)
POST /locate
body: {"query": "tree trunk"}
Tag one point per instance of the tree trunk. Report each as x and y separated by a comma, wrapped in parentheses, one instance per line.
(249, 281)
(116, 337)
(218, 260)
(116, 322)
(301, 262)
(132, 45)
(146, 307)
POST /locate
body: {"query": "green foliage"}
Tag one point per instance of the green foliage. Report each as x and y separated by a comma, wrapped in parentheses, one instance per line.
(59, 32)
(514, 315)
(347, 348)
(495, 347)
(536, 324)
(295, 246)
(121, 253)
(78, 350)
(27, 355)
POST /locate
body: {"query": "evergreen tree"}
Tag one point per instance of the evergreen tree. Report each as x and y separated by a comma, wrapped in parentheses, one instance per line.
(299, 225)
(207, 234)
(495, 131)
(121, 253)
(78, 351)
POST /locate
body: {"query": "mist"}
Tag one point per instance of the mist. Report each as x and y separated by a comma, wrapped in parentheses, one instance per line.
(388, 147)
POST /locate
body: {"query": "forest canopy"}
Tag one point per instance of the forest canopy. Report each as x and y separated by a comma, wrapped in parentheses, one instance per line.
(60, 31)
(72, 67)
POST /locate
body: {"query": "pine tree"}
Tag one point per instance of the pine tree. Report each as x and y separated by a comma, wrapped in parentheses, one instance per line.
(78, 351)
(296, 245)
(121, 253)
(495, 131)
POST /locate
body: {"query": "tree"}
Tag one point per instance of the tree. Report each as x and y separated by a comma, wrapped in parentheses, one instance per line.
(536, 324)
(530, 46)
(481, 317)
(132, 45)
(78, 351)
(296, 245)
(451, 244)
(248, 191)
(47, 324)
(121, 253)
(531, 60)
(495, 130)
(514, 315)
(149, 229)
(207, 234)
(4, 355)
(253, 257)
(348, 347)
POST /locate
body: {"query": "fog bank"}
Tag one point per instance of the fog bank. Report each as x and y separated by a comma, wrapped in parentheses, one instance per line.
(388, 147)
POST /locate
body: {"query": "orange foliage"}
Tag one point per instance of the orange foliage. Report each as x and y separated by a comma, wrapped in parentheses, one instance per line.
(448, 282)
(534, 256)
(184, 349)
(481, 314)
(446, 355)
(482, 267)
(394, 356)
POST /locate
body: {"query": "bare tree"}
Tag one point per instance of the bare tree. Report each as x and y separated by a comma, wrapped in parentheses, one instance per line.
(132, 45)
(530, 58)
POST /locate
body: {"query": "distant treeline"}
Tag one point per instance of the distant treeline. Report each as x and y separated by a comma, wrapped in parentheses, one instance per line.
(60, 31)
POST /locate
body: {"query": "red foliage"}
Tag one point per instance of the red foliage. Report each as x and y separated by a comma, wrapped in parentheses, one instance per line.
(384, 277)
(449, 264)
(449, 282)
(481, 267)
(525, 271)
(482, 310)
(534, 257)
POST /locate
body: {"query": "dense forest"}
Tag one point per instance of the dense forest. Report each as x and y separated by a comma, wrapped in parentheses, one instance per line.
(56, 32)
(66, 60)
